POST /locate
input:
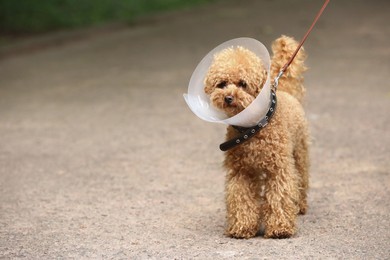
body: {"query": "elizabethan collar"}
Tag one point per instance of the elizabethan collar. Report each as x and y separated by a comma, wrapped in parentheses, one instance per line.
(199, 102)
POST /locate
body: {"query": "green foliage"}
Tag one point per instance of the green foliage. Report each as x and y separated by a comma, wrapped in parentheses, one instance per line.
(25, 16)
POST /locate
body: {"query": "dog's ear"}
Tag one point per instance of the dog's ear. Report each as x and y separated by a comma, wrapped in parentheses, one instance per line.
(210, 81)
(207, 89)
(258, 82)
(208, 86)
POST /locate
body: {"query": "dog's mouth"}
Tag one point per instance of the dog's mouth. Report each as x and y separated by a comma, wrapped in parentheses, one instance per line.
(231, 103)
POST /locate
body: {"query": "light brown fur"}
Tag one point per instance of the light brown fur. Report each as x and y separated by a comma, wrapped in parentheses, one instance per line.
(267, 176)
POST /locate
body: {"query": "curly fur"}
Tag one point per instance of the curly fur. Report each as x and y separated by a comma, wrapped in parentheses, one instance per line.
(267, 176)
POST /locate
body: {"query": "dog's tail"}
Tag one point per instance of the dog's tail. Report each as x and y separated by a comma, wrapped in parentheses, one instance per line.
(292, 79)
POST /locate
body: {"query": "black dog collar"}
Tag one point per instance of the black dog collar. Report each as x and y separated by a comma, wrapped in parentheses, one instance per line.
(247, 133)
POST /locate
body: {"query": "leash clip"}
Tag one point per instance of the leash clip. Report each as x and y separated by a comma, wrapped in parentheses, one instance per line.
(276, 81)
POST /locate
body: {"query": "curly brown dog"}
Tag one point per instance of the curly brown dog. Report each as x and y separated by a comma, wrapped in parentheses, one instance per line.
(267, 176)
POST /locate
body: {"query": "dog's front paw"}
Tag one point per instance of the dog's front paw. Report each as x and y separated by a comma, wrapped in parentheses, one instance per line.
(279, 231)
(279, 234)
(241, 232)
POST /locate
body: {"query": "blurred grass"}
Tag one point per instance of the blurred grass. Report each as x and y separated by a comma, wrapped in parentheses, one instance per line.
(35, 16)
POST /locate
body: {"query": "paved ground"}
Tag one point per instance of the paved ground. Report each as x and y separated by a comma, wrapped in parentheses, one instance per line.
(101, 158)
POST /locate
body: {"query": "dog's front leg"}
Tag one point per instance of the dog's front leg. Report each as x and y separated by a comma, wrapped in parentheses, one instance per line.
(243, 205)
(281, 201)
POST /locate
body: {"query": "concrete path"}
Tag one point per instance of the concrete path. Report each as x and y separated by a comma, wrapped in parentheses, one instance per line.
(100, 158)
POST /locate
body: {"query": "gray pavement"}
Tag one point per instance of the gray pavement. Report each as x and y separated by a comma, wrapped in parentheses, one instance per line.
(100, 158)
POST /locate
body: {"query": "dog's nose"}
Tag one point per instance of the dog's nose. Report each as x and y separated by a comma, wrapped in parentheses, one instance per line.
(229, 99)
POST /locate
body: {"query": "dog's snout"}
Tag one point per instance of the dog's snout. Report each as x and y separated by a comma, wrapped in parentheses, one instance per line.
(229, 99)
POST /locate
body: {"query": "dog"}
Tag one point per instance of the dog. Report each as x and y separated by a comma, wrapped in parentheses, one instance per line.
(267, 176)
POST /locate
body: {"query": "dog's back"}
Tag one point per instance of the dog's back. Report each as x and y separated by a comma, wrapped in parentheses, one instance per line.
(292, 80)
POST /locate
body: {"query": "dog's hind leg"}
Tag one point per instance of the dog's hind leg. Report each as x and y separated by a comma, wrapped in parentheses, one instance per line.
(301, 156)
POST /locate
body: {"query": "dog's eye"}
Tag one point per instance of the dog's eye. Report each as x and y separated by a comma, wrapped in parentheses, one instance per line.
(242, 84)
(221, 84)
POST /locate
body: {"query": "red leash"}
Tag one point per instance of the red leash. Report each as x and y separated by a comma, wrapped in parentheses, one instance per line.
(301, 43)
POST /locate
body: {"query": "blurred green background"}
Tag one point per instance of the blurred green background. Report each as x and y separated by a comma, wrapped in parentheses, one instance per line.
(36, 16)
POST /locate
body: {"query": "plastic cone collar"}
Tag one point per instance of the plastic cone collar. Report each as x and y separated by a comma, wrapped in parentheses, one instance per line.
(199, 102)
